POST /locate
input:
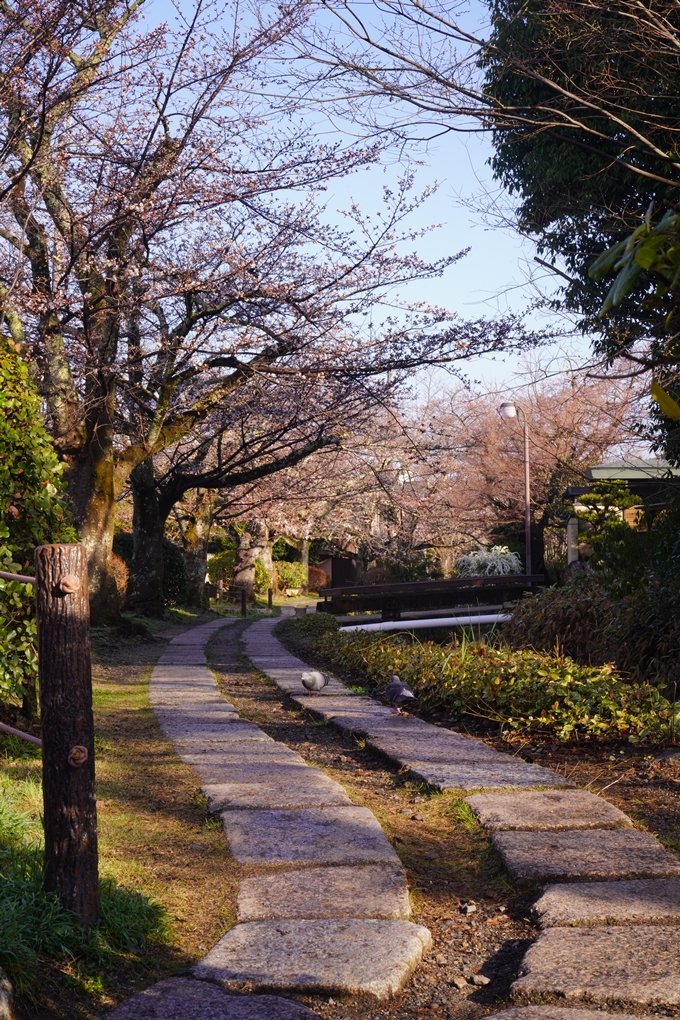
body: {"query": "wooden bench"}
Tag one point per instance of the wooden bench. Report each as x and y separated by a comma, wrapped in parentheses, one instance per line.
(449, 592)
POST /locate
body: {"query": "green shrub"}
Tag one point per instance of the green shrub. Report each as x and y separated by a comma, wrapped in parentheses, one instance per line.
(521, 690)
(263, 579)
(32, 513)
(290, 575)
(221, 566)
(312, 625)
(174, 566)
(571, 620)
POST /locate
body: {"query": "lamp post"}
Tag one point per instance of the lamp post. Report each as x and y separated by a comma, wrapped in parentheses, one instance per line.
(509, 410)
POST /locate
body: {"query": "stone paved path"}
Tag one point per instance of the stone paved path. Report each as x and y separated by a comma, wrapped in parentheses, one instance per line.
(610, 935)
(441, 757)
(325, 907)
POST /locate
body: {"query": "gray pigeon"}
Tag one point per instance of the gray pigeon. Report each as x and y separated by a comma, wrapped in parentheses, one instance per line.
(313, 681)
(399, 693)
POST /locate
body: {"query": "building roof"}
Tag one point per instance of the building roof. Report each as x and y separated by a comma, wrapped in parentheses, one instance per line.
(632, 469)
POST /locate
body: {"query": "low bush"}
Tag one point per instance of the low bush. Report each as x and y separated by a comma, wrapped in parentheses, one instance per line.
(313, 625)
(32, 512)
(639, 634)
(317, 579)
(263, 579)
(521, 690)
(290, 575)
(489, 562)
(221, 566)
(174, 566)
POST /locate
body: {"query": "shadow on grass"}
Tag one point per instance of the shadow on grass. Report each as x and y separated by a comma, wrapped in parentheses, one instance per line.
(36, 929)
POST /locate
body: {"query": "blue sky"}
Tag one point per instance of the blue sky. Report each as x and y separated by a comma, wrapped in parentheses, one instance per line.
(493, 275)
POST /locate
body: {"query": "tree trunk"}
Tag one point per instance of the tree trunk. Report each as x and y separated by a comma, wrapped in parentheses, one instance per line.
(447, 560)
(92, 494)
(304, 560)
(195, 526)
(255, 544)
(70, 809)
(263, 543)
(244, 567)
(148, 525)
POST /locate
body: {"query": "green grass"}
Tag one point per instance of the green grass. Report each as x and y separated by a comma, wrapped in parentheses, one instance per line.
(34, 927)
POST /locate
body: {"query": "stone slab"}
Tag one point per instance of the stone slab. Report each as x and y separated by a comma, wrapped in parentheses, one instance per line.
(374, 890)
(226, 753)
(348, 957)
(228, 733)
(273, 786)
(186, 999)
(331, 835)
(597, 856)
(640, 901)
(458, 775)
(639, 965)
(546, 811)
(562, 1013)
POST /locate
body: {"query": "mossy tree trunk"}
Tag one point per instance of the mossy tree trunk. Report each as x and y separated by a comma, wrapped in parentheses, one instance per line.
(195, 523)
(148, 526)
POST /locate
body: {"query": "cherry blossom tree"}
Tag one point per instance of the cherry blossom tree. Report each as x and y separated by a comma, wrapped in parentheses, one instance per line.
(164, 239)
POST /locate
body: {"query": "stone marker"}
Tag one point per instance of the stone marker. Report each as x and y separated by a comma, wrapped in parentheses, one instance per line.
(561, 1013)
(605, 964)
(184, 999)
(595, 855)
(546, 811)
(330, 835)
(349, 957)
(640, 901)
(373, 890)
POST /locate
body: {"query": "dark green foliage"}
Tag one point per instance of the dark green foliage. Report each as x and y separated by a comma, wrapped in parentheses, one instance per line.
(591, 620)
(314, 624)
(32, 513)
(574, 197)
(521, 690)
(283, 552)
(620, 553)
(174, 566)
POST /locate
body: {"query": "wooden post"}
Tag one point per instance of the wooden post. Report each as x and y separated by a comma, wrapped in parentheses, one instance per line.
(67, 728)
(270, 598)
(244, 602)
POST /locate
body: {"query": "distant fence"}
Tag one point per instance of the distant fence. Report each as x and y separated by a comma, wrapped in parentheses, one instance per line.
(395, 598)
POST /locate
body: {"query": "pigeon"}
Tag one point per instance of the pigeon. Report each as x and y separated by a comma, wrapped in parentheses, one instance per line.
(398, 693)
(313, 682)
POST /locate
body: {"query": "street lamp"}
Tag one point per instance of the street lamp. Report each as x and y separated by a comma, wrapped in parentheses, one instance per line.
(507, 411)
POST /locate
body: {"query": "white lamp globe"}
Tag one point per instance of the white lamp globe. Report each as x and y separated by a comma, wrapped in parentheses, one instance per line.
(508, 409)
